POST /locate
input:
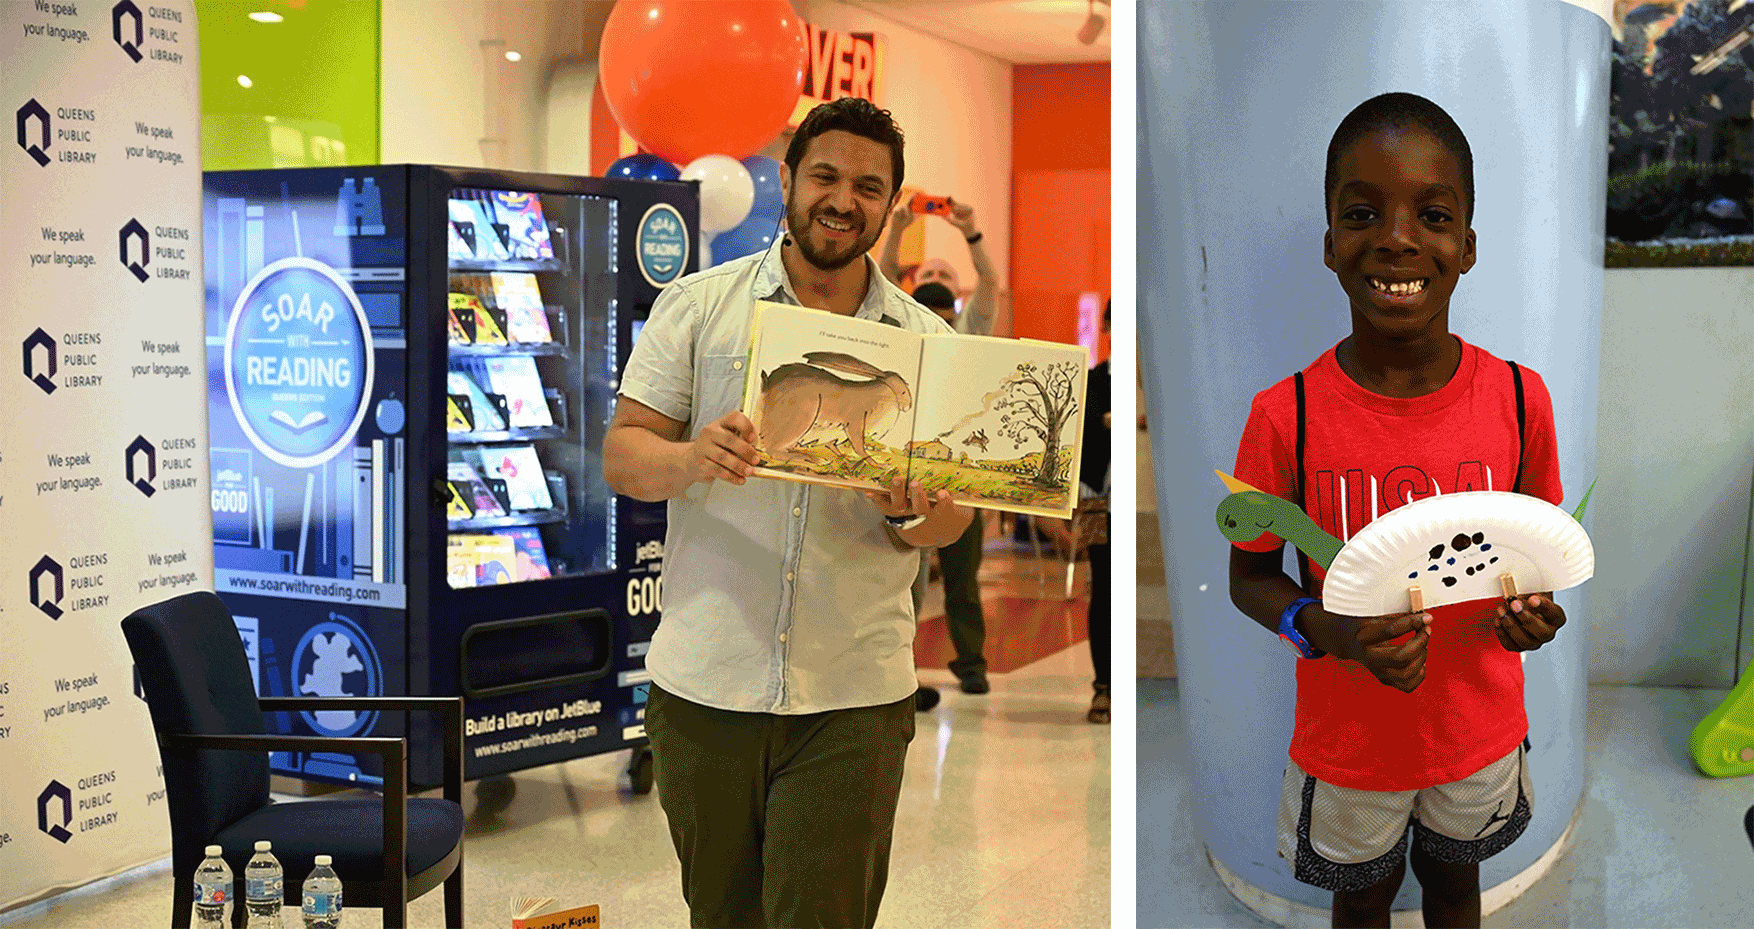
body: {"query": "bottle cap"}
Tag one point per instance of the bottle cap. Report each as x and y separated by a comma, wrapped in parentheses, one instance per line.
(263, 845)
(214, 851)
(322, 861)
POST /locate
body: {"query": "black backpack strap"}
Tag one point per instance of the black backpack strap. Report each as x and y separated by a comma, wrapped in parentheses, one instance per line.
(1302, 559)
(1516, 374)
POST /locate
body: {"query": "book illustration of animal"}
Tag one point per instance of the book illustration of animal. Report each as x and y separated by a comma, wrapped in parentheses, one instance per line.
(934, 450)
(801, 400)
(977, 438)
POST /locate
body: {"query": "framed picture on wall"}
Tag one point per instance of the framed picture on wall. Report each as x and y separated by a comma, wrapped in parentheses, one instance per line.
(1681, 134)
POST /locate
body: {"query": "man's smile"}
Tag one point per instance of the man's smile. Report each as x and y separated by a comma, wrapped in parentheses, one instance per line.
(834, 225)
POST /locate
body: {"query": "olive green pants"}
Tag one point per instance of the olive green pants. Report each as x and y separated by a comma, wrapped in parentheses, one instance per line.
(780, 822)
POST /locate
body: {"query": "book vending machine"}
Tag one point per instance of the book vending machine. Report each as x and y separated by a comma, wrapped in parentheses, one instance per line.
(411, 373)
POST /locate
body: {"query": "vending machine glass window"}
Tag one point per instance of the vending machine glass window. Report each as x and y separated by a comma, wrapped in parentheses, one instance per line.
(530, 386)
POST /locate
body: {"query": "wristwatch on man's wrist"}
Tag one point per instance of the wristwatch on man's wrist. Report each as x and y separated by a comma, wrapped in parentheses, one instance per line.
(900, 523)
(1288, 633)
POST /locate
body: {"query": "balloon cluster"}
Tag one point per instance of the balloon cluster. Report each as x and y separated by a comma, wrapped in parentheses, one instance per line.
(704, 86)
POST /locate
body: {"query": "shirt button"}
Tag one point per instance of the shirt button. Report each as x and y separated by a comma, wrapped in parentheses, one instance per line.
(736, 365)
(788, 575)
(782, 637)
(797, 511)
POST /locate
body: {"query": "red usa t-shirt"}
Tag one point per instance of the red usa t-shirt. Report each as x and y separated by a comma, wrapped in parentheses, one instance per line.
(1364, 455)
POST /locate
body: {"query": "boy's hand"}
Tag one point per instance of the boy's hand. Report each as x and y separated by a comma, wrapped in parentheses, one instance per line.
(1400, 665)
(1527, 624)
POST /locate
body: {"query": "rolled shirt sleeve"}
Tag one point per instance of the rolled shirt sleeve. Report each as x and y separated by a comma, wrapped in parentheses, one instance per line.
(660, 371)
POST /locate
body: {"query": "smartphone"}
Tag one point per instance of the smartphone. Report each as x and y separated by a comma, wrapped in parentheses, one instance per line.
(926, 203)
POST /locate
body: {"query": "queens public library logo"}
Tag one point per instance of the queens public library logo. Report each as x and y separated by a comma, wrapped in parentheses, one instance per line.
(44, 577)
(127, 10)
(130, 233)
(56, 791)
(41, 374)
(142, 477)
(33, 122)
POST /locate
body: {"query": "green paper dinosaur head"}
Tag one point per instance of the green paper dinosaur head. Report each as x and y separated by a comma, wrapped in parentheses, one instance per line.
(1248, 513)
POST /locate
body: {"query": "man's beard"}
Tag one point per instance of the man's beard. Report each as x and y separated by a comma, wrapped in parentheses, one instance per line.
(802, 224)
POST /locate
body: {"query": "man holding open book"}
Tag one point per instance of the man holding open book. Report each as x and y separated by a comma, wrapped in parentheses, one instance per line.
(783, 679)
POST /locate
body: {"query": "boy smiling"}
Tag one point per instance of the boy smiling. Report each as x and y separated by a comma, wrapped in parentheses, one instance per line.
(1413, 721)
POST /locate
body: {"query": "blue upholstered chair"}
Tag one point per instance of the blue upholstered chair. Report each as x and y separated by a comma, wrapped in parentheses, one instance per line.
(213, 742)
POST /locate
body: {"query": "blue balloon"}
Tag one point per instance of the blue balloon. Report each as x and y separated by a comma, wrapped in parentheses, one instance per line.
(643, 167)
(746, 238)
(770, 199)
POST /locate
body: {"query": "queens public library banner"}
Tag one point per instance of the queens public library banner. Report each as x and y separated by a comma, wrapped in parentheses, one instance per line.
(103, 434)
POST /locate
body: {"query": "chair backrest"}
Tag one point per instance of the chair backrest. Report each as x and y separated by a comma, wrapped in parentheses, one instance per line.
(197, 680)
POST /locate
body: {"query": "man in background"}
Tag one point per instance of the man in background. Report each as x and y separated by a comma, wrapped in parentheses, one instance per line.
(935, 287)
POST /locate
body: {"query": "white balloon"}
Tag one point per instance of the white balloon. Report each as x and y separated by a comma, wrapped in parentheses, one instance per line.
(727, 192)
(706, 248)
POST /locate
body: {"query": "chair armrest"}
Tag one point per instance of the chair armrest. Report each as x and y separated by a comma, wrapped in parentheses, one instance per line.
(449, 708)
(385, 747)
(394, 751)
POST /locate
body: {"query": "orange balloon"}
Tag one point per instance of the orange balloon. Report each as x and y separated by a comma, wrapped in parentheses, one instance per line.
(687, 78)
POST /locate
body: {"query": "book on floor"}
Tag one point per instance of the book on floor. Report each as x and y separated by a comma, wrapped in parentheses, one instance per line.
(853, 403)
(539, 913)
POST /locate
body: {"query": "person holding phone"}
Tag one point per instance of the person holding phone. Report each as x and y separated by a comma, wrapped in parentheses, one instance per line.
(935, 286)
(978, 305)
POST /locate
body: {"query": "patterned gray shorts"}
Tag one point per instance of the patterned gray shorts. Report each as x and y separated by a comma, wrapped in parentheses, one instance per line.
(1341, 839)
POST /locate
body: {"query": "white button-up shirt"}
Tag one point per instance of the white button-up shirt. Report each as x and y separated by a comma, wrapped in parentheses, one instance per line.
(779, 597)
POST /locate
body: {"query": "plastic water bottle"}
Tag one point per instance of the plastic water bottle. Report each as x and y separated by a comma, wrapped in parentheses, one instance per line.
(213, 891)
(322, 903)
(264, 888)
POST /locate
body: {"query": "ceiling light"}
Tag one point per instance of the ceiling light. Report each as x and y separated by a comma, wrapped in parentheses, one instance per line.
(514, 56)
(1092, 27)
(266, 17)
(244, 80)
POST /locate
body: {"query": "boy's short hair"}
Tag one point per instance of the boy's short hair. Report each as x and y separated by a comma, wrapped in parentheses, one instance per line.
(849, 114)
(935, 296)
(1392, 111)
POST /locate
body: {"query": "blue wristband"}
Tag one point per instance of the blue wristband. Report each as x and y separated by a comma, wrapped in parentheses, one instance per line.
(1288, 633)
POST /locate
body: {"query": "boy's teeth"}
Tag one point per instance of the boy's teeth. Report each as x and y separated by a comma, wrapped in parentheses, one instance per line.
(1398, 289)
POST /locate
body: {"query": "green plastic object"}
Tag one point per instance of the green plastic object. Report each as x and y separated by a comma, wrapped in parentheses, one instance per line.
(1723, 742)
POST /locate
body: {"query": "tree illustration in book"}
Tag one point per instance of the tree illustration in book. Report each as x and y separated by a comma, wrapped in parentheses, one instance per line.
(855, 403)
(1037, 404)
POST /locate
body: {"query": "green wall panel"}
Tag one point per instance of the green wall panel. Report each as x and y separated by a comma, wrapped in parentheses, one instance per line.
(314, 88)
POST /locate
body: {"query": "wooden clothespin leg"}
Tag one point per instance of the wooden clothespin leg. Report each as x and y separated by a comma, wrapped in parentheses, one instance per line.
(1416, 599)
(1507, 584)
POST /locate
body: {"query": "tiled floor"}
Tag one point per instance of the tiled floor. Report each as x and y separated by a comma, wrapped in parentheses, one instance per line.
(1658, 845)
(1004, 817)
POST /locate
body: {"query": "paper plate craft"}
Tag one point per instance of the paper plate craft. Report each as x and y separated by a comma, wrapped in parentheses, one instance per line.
(1435, 551)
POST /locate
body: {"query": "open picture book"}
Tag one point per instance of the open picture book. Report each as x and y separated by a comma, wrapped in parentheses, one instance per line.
(852, 403)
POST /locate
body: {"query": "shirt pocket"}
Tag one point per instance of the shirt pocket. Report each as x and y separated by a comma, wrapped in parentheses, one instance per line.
(718, 389)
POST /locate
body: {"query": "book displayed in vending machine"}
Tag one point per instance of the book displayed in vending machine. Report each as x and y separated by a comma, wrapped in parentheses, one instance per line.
(506, 409)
